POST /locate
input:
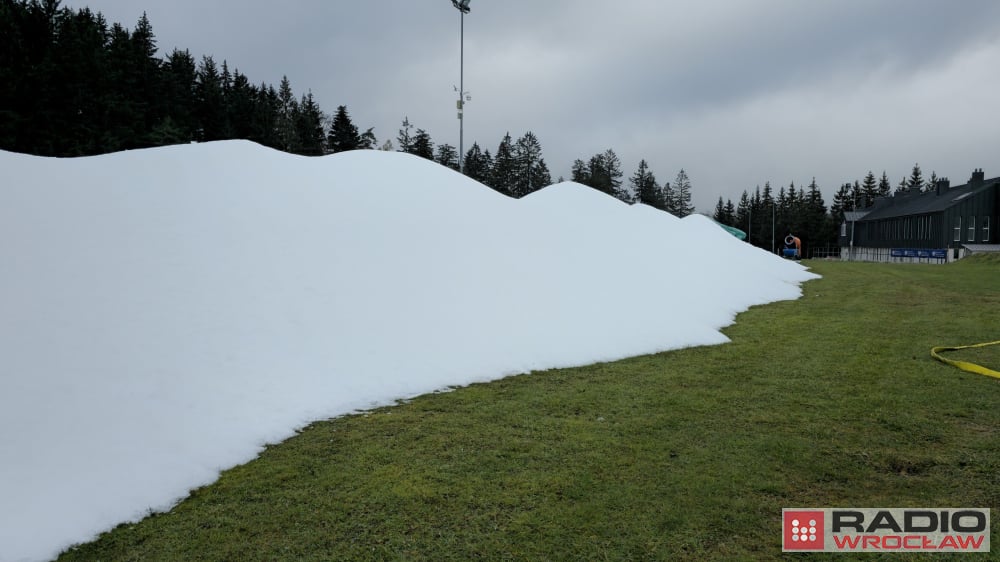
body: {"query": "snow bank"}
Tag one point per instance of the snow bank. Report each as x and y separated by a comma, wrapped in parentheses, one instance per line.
(165, 313)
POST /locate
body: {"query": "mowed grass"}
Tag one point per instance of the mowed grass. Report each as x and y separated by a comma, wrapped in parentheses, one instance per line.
(832, 400)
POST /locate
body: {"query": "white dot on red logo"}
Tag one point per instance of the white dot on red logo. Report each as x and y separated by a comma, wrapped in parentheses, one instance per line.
(795, 522)
(812, 537)
(812, 522)
(795, 530)
(805, 538)
(795, 538)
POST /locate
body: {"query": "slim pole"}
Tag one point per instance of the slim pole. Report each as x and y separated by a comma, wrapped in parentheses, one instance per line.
(851, 252)
(461, 92)
(772, 226)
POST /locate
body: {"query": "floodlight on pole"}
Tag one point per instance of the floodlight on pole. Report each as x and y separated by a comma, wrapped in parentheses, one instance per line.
(463, 7)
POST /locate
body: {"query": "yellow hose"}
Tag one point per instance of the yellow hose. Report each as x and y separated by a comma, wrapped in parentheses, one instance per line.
(965, 365)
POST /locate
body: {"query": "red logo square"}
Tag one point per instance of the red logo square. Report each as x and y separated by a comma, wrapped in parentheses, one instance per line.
(802, 530)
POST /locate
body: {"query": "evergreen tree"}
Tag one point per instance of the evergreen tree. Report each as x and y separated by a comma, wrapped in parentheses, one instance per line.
(730, 213)
(309, 127)
(932, 182)
(27, 106)
(447, 156)
(502, 176)
(760, 221)
(122, 125)
(645, 188)
(613, 175)
(486, 167)
(869, 190)
(605, 174)
(165, 132)
(404, 139)
(682, 195)
(580, 173)
(916, 180)
(857, 196)
(226, 83)
(266, 117)
(902, 186)
(226, 78)
(791, 214)
(818, 228)
(422, 145)
(769, 214)
(743, 217)
(132, 76)
(782, 202)
(841, 201)
(530, 171)
(669, 197)
(288, 109)
(720, 211)
(145, 70)
(210, 102)
(367, 140)
(478, 164)
(77, 64)
(343, 134)
(540, 175)
(241, 107)
(884, 188)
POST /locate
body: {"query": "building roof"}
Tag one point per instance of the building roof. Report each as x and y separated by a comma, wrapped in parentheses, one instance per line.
(982, 248)
(910, 203)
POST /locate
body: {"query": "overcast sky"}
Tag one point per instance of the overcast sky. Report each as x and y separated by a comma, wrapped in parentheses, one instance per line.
(736, 92)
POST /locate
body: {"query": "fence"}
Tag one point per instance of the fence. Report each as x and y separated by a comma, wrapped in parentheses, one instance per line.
(825, 253)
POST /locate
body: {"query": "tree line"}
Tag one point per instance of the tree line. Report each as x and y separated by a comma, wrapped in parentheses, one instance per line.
(73, 85)
(767, 217)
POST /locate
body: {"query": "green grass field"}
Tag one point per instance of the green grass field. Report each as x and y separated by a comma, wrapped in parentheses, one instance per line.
(832, 400)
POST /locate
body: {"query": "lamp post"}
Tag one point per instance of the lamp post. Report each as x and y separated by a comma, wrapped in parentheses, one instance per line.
(850, 252)
(463, 7)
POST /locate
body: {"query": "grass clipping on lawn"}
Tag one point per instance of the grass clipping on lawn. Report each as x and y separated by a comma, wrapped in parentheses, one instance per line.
(828, 401)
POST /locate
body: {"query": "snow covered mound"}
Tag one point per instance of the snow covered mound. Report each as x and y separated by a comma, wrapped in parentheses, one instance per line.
(166, 312)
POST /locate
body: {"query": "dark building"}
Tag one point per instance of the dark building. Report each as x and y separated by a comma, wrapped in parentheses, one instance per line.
(942, 224)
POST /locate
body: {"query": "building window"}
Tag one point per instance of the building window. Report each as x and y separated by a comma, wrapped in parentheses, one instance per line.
(972, 229)
(986, 229)
(958, 229)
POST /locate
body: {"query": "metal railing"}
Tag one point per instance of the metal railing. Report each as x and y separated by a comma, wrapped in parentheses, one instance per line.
(825, 252)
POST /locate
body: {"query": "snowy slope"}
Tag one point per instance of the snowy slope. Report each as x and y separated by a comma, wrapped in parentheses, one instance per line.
(166, 312)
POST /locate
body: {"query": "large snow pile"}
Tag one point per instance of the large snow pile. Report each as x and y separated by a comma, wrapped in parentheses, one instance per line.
(165, 313)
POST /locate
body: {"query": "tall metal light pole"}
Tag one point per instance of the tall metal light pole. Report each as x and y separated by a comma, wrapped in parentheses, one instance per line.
(463, 7)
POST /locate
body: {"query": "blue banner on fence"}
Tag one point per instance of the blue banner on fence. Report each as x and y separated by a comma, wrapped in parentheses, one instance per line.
(918, 253)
